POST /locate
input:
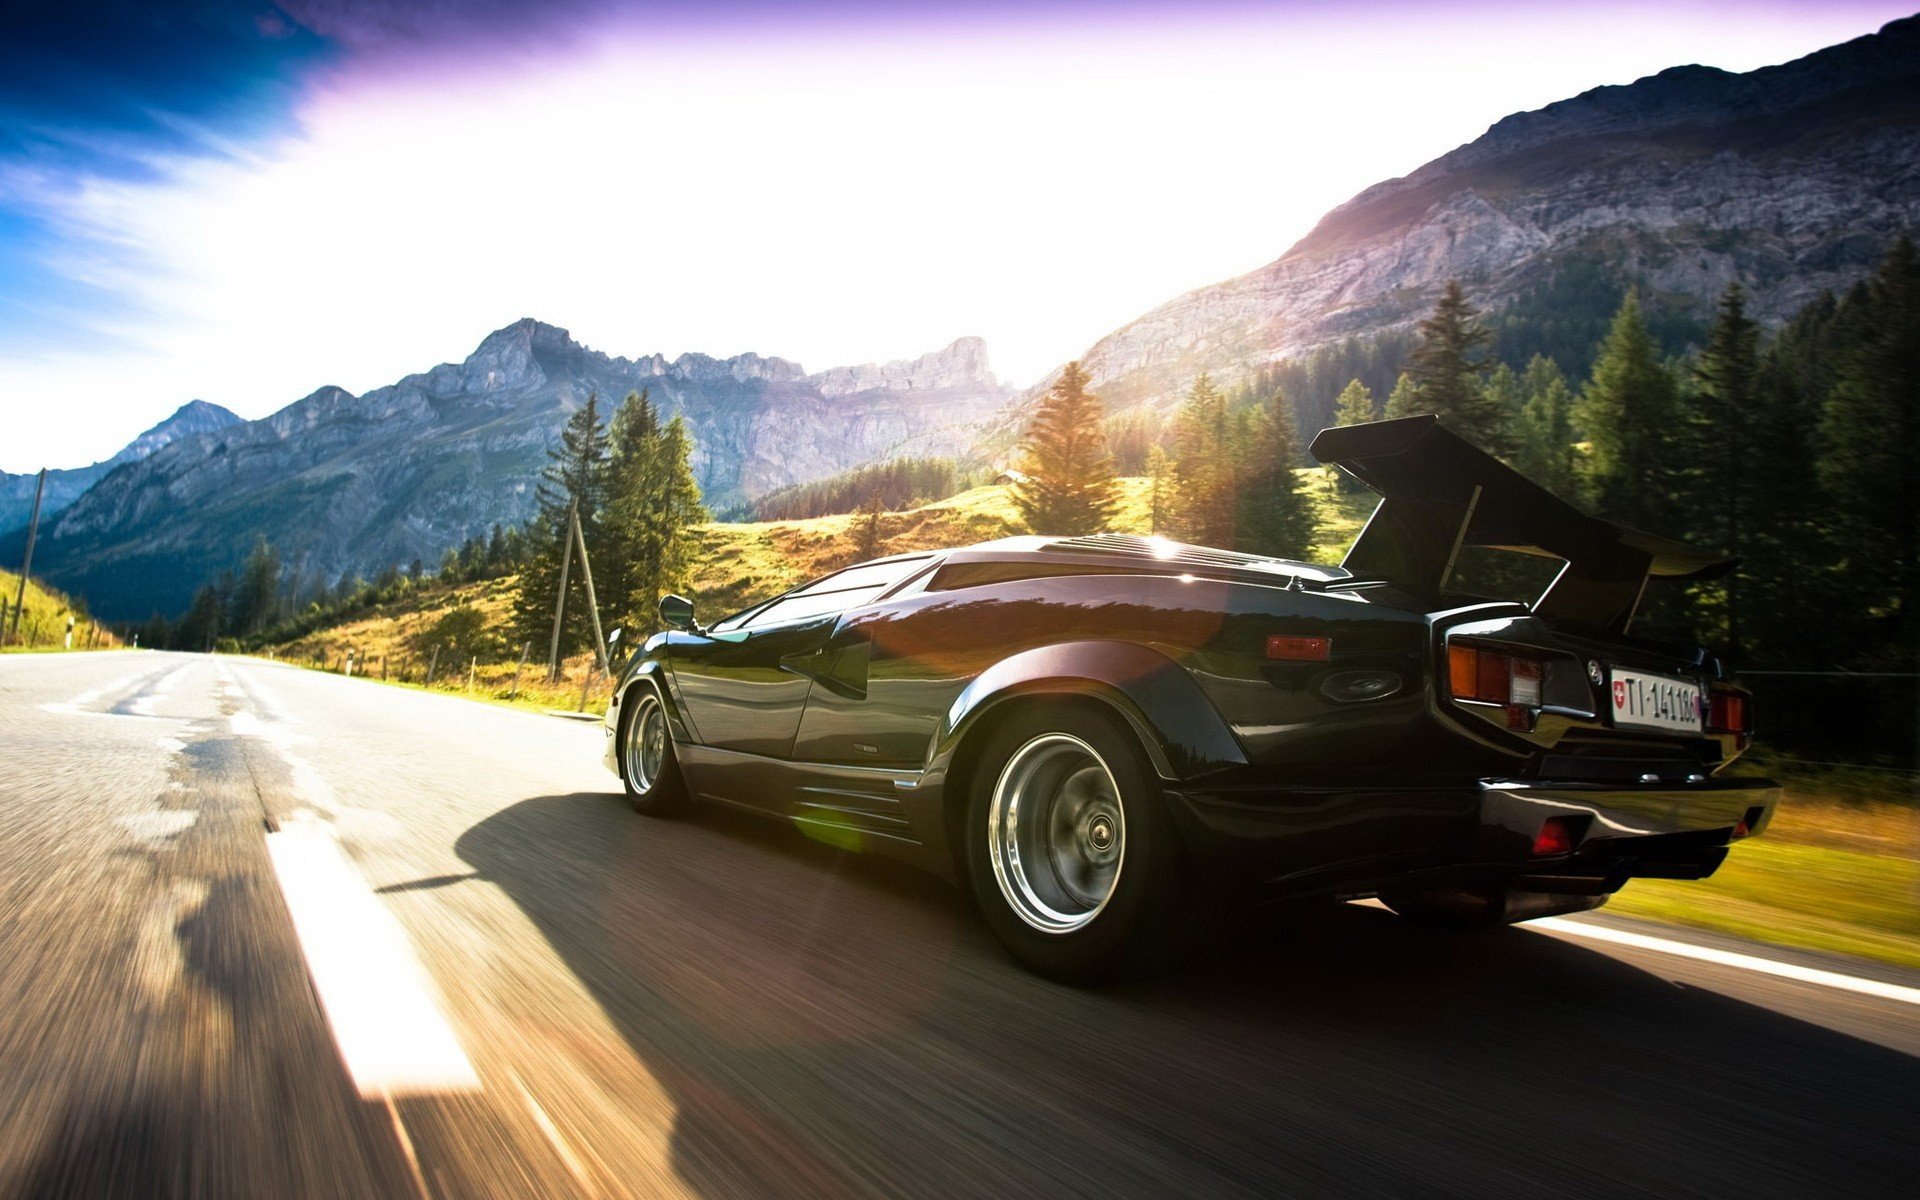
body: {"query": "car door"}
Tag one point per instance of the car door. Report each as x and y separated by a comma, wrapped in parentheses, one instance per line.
(745, 681)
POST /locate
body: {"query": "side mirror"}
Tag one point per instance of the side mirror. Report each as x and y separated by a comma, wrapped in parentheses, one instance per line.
(677, 612)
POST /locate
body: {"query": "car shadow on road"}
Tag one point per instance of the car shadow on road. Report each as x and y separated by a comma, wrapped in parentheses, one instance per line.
(830, 1024)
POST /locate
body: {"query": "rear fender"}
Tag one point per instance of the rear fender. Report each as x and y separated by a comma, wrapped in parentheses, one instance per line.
(1184, 735)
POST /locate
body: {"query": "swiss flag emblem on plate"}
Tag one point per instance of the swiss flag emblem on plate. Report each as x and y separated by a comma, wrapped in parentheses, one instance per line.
(1619, 693)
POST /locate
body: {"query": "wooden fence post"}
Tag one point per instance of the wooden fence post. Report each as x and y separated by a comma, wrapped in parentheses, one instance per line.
(525, 652)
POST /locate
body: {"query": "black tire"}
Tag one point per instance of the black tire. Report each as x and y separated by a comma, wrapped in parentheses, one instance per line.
(665, 792)
(1147, 908)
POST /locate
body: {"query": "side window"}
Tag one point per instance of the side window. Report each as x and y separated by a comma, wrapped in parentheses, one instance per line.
(835, 593)
(812, 604)
(880, 575)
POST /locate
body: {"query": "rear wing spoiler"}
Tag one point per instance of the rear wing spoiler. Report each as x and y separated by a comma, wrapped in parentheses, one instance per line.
(1439, 492)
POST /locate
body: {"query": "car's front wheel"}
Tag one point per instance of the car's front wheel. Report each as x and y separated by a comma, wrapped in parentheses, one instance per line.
(1070, 853)
(648, 766)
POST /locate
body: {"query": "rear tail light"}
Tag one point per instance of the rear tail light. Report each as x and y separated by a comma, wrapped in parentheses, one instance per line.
(1299, 649)
(1493, 677)
(1524, 685)
(1728, 711)
(1558, 835)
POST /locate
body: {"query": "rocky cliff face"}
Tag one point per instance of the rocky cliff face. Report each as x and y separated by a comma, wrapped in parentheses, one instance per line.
(344, 483)
(65, 485)
(1790, 179)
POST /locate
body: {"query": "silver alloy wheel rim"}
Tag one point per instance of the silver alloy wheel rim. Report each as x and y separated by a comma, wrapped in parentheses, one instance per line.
(646, 744)
(1056, 833)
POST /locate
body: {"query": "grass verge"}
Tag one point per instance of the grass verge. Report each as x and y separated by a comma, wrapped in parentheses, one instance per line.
(1838, 870)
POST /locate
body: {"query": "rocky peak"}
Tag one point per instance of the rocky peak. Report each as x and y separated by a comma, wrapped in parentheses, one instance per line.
(703, 368)
(195, 416)
(960, 365)
(522, 355)
(1696, 96)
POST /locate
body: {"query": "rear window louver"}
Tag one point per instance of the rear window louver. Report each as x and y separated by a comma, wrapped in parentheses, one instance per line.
(1161, 550)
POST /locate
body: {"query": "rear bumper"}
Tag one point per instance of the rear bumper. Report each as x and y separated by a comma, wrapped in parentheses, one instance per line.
(1353, 841)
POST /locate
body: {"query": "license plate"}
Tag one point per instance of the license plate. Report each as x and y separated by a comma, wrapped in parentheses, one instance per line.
(1655, 702)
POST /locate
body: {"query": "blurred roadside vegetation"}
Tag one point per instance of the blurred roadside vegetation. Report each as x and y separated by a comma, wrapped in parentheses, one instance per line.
(1838, 869)
(43, 619)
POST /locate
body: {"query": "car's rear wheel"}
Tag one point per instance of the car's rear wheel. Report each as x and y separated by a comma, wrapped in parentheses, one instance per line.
(1070, 853)
(648, 766)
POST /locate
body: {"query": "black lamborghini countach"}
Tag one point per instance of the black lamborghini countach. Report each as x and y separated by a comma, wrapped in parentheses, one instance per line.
(1103, 736)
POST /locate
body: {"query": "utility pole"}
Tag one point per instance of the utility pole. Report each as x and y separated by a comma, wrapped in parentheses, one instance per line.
(593, 602)
(26, 567)
(560, 601)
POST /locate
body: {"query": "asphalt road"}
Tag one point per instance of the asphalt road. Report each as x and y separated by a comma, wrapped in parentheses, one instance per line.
(266, 933)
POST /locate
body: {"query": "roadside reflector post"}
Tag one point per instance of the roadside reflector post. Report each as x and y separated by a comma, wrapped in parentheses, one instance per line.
(586, 685)
(473, 668)
(526, 651)
(433, 665)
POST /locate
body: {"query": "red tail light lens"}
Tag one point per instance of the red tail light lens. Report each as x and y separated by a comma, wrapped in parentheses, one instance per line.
(1557, 836)
(1493, 677)
(1728, 712)
(1299, 649)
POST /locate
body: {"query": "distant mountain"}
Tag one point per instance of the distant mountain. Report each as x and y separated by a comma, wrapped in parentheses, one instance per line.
(342, 483)
(1790, 179)
(64, 485)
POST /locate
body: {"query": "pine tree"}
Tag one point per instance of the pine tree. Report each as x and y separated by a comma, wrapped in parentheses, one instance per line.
(257, 601)
(677, 506)
(1404, 399)
(1627, 412)
(1159, 488)
(867, 531)
(1723, 408)
(1504, 395)
(1789, 562)
(575, 480)
(1446, 367)
(1870, 467)
(1068, 486)
(203, 623)
(633, 464)
(1205, 466)
(1355, 405)
(1275, 517)
(1543, 441)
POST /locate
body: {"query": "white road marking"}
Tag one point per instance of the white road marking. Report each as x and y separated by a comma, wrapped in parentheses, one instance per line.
(551, 1132)
(1727, 958)
(154, 828)
(74, 706)
(392, 1035)
(406, 1147)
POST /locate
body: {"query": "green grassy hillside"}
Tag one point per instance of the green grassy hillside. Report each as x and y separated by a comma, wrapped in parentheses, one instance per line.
(43, 619)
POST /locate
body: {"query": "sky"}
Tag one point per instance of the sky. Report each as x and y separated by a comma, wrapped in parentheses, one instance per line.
(242, 201)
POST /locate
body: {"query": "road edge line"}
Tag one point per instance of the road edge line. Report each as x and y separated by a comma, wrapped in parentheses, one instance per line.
(1728, 958)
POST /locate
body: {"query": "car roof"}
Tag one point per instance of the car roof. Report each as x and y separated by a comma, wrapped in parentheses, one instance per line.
(1154, 550)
